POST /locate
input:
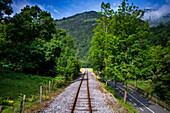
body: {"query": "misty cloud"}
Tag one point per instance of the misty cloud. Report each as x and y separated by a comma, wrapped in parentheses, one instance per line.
(158, 13)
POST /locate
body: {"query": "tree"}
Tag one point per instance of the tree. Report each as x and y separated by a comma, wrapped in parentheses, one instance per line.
(159, 60)
(122, 35)
(132, 33)
(35, 45)
(5, 9)
(100, 40)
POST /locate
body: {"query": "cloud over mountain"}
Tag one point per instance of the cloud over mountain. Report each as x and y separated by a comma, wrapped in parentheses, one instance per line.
(158, 13)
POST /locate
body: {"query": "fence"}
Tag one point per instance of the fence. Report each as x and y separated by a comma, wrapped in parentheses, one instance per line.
(43, 93)
(151, 97)
(0, 109)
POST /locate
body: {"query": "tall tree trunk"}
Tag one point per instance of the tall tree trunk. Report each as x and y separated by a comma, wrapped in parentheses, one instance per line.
(106, 80)
(115, 78)
(115, 86)
(135, 83)
(125, 93)
(106, 70)
(106, 53)
(125, 84)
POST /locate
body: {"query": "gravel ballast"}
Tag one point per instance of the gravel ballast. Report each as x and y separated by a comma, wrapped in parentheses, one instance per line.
(63, 102)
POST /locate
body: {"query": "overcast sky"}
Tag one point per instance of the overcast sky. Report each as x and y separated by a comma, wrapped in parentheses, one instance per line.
(66, 8)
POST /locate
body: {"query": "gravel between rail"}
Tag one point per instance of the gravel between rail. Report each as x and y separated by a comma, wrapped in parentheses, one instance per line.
(63, 102)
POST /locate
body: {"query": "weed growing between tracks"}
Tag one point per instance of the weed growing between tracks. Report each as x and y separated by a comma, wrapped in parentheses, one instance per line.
(110, 89)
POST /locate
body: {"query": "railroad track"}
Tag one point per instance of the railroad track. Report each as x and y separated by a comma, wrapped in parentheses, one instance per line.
(82, 102)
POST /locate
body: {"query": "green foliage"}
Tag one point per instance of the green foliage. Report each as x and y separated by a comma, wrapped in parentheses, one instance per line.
(32, 44)
(60, 80)
(80, 26)
(160, 60)
(160, 35)
(5, 9)
(145, 85)
(119, 42)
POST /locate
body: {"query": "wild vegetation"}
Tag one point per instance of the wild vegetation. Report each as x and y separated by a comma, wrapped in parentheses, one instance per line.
(125, 48)
(14, 85)
(31, 45)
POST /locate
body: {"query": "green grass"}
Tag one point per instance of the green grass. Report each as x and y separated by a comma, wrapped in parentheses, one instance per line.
(120, 99)
(14, 85)
(91, 69)
(143, 84)
(82, 69)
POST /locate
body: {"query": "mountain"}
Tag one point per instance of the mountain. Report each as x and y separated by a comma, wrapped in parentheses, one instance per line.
(80, 27)
(149, 10)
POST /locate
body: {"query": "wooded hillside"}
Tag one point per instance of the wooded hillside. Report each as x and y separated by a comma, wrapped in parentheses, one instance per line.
(80, 27)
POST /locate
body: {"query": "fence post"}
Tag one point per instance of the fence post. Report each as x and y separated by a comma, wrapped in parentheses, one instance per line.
(49, 85)
(55, 83)
(52, 84)
(0, 109)
(40, 94)
(22, 104)
(164, 105)
(44, 90)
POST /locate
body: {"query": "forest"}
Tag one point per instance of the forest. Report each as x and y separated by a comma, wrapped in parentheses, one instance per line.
(125, 48)
(30, 43)
(33, 52)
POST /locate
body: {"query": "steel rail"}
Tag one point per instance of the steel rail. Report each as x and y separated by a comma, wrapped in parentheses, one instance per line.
(88, 93)
(75, 100)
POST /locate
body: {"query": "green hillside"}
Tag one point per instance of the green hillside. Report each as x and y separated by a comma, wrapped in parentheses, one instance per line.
(80, 26)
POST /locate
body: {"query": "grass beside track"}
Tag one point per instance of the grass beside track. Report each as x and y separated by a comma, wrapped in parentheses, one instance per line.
(14, 85)
(120, 99)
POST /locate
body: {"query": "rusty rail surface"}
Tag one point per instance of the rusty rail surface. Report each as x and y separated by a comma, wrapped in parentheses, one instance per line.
(88, 93)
